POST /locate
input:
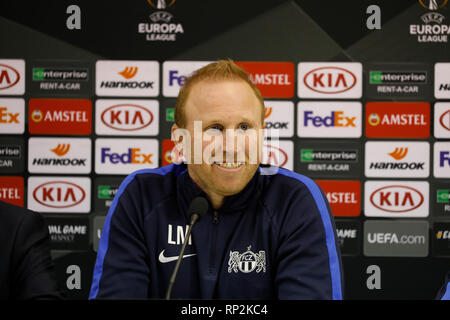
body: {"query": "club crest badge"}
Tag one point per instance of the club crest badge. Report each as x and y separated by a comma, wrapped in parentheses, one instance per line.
(247, 262)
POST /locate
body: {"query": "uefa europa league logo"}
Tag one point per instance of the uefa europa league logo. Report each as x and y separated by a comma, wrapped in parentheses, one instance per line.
(433, 4)
(161, 4)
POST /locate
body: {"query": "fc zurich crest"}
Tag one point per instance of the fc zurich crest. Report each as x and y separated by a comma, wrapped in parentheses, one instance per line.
(247, 262)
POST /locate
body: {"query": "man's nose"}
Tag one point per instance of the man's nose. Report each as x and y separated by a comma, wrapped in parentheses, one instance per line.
(234, 147)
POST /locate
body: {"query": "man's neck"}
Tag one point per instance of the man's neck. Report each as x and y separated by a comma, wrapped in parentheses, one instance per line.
(216, 200)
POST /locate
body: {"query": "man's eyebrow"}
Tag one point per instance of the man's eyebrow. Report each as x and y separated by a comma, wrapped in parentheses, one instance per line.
(220, 121)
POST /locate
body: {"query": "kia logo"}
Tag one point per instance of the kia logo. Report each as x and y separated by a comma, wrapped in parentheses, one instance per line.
(8, 76)
(274, 156)
(127, 117)
(59, 194)
(444, 120)
(396, 199)
(330, 80)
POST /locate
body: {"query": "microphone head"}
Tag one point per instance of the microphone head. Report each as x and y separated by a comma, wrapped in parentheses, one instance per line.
(198, 206)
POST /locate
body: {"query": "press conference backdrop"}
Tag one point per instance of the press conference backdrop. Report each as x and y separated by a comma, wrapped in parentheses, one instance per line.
(87, 96)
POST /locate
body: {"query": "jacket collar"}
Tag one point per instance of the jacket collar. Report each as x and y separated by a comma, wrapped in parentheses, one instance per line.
(187, 190)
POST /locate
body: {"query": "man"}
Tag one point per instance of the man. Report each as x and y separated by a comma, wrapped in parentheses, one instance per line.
(26, 268)
(263, 237)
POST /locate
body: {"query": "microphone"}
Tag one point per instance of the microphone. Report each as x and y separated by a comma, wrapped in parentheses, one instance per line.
(197, 209)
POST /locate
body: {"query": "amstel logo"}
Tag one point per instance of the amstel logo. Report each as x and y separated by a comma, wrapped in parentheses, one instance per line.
(37, 115)
(374, 119)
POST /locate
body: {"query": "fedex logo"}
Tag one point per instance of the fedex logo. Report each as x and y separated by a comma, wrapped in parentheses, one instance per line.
(174, 76)
(175, 73)
(134, 155)
(340, 119)
(12, 115)
(124, 156)
(442, 159)
(335, 119)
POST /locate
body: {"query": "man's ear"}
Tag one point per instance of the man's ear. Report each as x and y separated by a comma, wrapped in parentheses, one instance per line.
(178, 150)
(172, 130)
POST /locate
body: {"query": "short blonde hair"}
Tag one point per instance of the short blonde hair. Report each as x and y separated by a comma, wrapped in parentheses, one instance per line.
(219, 70)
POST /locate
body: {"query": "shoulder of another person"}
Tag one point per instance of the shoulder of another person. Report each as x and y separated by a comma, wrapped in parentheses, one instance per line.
(13, 217)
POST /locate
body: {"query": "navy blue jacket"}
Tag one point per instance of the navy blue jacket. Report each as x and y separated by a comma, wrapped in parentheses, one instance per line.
(275, 239)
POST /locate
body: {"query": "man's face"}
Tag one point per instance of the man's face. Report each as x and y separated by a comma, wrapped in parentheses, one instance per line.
(221, 106)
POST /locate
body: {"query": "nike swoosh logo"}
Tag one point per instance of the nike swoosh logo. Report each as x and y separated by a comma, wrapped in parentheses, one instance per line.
(164, 259)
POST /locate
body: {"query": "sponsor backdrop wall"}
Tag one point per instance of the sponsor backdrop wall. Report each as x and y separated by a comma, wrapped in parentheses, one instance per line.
(366, 113)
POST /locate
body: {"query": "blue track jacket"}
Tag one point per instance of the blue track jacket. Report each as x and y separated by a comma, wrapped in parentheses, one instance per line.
(275, 239)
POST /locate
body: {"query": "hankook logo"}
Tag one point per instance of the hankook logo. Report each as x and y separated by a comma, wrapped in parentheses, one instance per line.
(397, 159)
(399, 153)
(128, 72)
(61, 149)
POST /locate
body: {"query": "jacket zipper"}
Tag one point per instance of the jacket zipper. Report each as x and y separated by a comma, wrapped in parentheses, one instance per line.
(212, 256)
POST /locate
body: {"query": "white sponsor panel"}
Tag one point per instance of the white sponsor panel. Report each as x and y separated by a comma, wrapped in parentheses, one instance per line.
(278, 153)
(442, 120)
(329, 119)
(127, 117)
(124, 156)
(396, 199)
(442, 160)
(279, 119)
(12, 116)
(442, 80)
(12, 77)
(175, 73)
(127, 78)
(59, 155)
(397, 159)
(330, 80)
(59, 194)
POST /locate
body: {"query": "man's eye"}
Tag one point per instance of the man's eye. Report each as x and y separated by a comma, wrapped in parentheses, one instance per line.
(243, 127)
(217, 127)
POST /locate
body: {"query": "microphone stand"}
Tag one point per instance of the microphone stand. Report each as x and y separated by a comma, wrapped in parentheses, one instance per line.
(194, 219)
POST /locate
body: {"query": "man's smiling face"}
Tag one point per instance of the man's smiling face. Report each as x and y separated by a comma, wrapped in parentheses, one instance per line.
(227, 109)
